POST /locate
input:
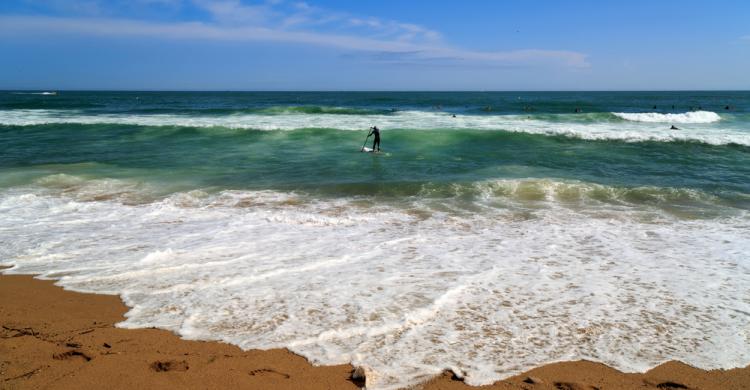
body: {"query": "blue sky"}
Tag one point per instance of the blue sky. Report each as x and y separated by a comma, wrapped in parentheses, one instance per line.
(374, 45)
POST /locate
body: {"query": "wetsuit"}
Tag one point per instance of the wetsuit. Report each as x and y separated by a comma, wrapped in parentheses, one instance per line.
(375, 131)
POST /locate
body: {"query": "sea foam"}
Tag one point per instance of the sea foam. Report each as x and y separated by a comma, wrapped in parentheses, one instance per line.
(406, 289)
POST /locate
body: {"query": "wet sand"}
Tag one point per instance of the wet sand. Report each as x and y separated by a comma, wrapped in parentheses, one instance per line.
(51, 338)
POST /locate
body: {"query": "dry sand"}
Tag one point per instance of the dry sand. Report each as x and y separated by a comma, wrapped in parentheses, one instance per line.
(51, 338)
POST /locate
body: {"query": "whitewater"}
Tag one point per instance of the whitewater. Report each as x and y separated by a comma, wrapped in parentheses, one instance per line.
(407, 290)
(635, 127)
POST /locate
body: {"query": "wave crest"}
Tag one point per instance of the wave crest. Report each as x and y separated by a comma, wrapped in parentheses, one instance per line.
(655, 117)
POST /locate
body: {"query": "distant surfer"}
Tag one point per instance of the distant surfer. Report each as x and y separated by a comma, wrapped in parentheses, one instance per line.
(674, 128)
(375, 142)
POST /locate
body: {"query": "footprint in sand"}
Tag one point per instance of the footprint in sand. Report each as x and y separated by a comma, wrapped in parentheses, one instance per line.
(69, 354)
(268, 371)
(170, 365)
(669, 385)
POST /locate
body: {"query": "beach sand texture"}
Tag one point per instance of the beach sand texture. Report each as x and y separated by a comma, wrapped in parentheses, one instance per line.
(58, 339)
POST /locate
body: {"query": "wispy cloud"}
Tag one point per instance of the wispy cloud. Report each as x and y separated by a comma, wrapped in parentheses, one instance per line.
(277, 14)
(234, 12)
(293, 23)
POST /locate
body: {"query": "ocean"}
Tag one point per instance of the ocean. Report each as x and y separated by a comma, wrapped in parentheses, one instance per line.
(495, 232)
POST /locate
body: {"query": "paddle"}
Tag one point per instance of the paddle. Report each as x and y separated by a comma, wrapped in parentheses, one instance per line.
(365, 143)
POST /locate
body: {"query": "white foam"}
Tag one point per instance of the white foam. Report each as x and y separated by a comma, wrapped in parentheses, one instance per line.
(571, 126)
(407, 291)
(687, 117)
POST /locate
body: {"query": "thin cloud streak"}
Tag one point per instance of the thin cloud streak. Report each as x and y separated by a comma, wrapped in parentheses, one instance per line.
(29, 25)
(281, 15)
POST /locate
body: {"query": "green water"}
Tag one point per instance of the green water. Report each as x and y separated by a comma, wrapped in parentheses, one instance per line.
(163, 149)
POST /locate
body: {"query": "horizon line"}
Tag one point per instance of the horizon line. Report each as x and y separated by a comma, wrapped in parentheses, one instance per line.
(367, 90)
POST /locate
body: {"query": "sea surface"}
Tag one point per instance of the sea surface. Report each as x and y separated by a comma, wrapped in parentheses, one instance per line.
(529, 228)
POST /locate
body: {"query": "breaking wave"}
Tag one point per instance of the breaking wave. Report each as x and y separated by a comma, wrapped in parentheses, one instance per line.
(655, 117)
(587, 127)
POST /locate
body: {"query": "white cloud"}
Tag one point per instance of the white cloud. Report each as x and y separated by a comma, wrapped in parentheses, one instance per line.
(296, 23)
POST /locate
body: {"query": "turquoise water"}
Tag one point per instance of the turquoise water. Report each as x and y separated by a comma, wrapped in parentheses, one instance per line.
(232, 154)
(489, 219)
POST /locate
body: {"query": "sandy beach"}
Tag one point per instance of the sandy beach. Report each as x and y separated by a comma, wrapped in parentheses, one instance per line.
(52, 338)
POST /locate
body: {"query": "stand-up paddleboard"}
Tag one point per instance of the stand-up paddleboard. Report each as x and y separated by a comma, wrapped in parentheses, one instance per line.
(368, 150)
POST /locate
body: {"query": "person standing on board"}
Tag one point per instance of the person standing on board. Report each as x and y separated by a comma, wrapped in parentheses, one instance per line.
(376, 132)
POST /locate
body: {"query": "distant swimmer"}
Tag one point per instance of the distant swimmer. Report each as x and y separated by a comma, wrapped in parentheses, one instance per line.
(578, 110)
(454, 115)
(726, 107)
(654, 107)
(376, 142)
(674, 128)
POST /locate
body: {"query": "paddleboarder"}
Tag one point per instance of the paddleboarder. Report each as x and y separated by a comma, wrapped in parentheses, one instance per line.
(376, 142)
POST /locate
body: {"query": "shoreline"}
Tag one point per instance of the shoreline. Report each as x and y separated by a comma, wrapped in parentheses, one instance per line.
(60, 339)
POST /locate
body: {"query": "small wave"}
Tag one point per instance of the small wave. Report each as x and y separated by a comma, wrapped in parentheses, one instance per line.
(84, 189)
(47, 93)
(655, 117)
(577, 194)
(266, 111)
(495, 193)
(281, 110)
